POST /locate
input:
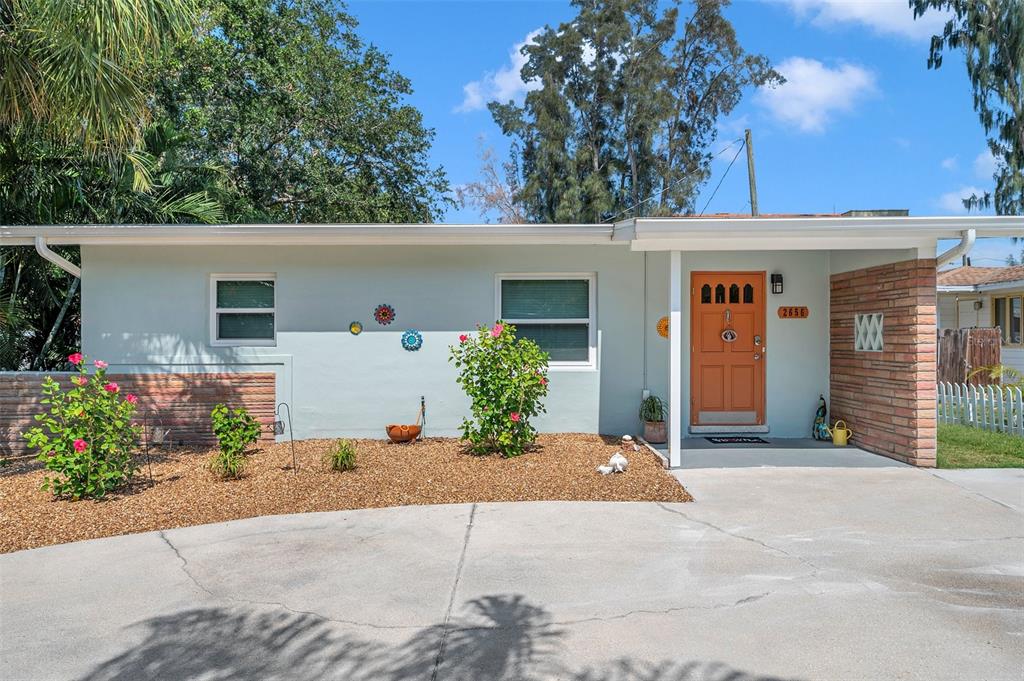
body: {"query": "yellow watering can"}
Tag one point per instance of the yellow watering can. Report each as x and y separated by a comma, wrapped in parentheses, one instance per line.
(840, 434)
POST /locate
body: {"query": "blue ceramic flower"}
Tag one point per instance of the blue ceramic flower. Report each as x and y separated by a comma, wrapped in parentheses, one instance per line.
(412, 340)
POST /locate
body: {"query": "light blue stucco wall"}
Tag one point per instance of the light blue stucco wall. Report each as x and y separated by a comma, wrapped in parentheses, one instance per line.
(147, 309)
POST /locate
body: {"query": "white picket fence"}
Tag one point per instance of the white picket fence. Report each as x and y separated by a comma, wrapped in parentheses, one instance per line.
(988, 407)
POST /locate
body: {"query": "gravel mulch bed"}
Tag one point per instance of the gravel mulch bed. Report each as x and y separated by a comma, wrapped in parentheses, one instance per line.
(434, 471)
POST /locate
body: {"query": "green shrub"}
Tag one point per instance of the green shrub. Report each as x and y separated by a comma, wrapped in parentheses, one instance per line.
(343, 456)
(236, 432)
(87, 436)
(506, 379)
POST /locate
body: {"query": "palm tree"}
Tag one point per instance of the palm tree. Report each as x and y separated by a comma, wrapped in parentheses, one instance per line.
(76, 68)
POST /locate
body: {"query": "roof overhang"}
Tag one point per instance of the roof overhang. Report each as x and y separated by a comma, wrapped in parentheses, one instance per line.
(307, 234)
(807, 233)
(642, 234)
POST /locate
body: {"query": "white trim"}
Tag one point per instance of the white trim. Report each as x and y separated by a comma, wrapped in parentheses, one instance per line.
(313, 234)
(730, 233)
(591, 321)
(675, 362)
(215, 311)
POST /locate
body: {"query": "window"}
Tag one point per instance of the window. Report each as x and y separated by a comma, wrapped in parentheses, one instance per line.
(242, 309)
(1009, 311)
(556, 311)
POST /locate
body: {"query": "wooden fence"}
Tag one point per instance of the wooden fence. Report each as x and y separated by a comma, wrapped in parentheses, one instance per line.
(962, 351)
(989, 407)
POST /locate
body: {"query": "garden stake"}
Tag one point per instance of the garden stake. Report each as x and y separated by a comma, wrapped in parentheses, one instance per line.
(279, 430)
(423, 416)
(145, 444)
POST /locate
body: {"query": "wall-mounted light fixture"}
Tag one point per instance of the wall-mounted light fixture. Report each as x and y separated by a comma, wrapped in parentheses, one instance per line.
(776, 283)
(978, 304)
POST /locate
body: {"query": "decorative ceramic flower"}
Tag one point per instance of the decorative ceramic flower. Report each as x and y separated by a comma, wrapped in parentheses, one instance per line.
(412, 340)
(384, 314)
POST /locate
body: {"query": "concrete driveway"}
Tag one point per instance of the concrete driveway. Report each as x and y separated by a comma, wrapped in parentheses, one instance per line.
(888, 573)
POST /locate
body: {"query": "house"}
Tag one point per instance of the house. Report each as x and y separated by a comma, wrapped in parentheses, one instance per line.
(984, 297)
(763, 314)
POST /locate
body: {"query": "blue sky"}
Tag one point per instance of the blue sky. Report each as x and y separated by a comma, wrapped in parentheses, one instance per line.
(862, 122)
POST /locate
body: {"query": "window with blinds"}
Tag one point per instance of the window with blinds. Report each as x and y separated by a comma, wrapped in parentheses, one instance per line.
(242, 310)
(556, 312)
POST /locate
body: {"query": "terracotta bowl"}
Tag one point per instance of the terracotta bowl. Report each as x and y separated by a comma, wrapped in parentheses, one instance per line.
(398, 433)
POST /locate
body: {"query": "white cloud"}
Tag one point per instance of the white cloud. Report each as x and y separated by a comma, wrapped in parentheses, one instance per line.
(949, 163)
(985, 165)
(888, 17)
(501, 85)
(813, 92)
(952, 202)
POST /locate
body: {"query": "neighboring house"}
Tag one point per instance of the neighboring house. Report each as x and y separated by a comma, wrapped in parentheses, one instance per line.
(983, 297)
(764, 313)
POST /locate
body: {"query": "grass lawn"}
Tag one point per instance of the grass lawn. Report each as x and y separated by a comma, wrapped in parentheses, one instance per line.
(964, 447)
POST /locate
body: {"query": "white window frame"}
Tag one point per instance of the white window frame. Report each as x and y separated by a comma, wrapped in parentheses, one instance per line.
(215, 311)
(591, 363)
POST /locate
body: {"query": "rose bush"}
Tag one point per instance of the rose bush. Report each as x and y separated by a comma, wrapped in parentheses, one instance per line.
(87, 436)
(506, 380)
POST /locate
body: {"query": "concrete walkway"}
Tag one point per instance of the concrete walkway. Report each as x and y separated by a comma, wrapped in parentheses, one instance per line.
(831, 574)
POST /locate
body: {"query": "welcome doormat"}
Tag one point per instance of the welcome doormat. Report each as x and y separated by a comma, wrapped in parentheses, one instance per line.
(736, 440)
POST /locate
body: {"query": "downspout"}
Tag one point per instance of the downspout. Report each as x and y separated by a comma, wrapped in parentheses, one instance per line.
(61, 262)
(967, 238)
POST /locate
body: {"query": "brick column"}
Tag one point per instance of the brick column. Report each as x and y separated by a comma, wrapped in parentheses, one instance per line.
(887, 398)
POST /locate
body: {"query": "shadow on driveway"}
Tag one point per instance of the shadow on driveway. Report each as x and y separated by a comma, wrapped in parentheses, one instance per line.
(503, 637)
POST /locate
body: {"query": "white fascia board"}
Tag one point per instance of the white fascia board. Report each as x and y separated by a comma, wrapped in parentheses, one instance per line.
(852, 228)
(956, 289)
(304, 234)
(834, 242)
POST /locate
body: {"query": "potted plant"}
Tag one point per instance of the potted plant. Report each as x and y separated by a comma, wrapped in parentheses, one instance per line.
(652, 413)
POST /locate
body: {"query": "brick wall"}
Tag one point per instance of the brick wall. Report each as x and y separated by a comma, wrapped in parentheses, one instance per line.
(181, 402)
(887, 398)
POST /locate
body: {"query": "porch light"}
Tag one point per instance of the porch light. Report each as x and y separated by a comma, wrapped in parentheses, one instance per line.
(776, 283)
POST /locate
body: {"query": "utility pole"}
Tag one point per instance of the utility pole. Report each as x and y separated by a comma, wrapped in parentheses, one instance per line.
(748, 141)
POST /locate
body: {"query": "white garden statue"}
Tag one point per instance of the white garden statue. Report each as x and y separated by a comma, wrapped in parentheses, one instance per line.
(616, 464)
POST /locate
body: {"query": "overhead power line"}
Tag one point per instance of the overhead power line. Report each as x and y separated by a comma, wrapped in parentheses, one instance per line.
(673, 184)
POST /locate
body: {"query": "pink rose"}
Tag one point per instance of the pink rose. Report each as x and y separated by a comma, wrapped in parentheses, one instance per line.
(496, 331)
(111, 387)
(543, 381)
(75, 358)
(130, 398)
(514, 416)
(79, 380)
(463, 338)
(81, 445)
(100, 364)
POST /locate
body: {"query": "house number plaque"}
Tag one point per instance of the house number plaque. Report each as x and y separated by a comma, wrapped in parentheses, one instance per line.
(794, 312)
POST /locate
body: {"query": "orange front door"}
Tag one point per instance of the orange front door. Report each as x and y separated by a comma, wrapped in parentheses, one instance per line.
(727, 342)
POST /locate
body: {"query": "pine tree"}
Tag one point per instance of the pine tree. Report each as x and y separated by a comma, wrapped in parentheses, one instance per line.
(626, 111)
